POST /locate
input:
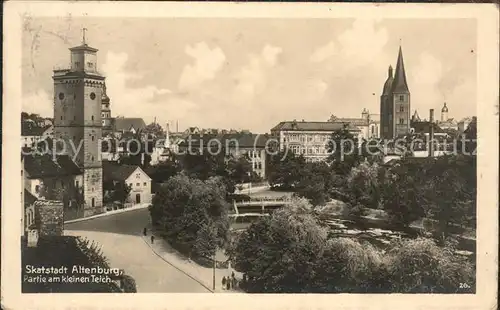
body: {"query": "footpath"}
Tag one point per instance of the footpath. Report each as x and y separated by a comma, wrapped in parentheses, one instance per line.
(107, 213)
(203, 275)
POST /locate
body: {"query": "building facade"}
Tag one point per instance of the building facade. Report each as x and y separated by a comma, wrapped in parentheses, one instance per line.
(368, 124)
(78, 92)
(133, 176)
(32, 135)
(310, 139)
(395, 103)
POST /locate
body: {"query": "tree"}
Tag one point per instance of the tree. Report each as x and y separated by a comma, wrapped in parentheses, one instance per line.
(401, 196)
(420, 266)
(450, 193)
(163, 171)
(350, 267)
(284, 169)
(154, 129)
(363, 188)
(315, 183)
(183, 206)
(344, 151)
(279, 253)
(121, 192)
(239, 169)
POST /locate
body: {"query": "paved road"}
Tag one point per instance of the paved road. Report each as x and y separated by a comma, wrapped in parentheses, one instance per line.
(120, 238)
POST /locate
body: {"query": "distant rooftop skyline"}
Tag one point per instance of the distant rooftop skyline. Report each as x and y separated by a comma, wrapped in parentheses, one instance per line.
(253, 74)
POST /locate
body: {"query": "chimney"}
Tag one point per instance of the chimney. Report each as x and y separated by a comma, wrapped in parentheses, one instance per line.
(177, 126)
(142, 159)
(431, 133)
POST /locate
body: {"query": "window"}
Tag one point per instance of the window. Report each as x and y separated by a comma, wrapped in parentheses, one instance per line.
(92, 138)
(92, 158)
(130, 184)
(77, 184)
(92, 117)
(37, 188)
(90, 65)
(401, 121)
(74, 117)
(401, 97)
(77, 64)
(373, 130)
(401, 109)
(144, 183)
(61, 118)
(138, 184)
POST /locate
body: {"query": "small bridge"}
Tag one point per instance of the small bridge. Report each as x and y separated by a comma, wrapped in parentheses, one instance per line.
(259, 206)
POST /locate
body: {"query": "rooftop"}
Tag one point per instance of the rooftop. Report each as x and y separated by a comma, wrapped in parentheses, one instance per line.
(314, 126)
(127, 123)
(29, 129)
(40, 166)
(115, 172)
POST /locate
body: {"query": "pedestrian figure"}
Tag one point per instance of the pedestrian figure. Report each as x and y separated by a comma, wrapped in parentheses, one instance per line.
(223, 282)
(145, 231)
(228, 285)
(152, 239)
(232, 274)
(234, 282)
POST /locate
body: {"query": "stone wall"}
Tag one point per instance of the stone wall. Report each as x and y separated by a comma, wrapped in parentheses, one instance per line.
(49, 217)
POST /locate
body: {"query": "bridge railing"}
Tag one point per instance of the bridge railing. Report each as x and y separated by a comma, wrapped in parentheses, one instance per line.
(265, 200)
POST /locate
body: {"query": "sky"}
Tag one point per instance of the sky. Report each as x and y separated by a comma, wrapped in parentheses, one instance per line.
(254, 73)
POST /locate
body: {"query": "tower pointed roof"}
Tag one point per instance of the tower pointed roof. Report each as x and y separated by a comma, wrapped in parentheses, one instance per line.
(388, 82)
(105, 98)
(399, 85)
(445, 108)
(416, 117)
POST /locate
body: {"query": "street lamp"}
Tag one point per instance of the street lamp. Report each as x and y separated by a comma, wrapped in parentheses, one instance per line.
(213, 276)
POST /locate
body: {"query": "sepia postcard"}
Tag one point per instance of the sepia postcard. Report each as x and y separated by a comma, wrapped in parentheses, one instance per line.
(249, 156)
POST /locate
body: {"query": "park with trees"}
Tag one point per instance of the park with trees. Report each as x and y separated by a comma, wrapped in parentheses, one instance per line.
(427, 204)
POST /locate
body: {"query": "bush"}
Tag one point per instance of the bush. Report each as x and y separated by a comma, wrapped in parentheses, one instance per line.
(420, 266)
(348, 266)
(128, 284)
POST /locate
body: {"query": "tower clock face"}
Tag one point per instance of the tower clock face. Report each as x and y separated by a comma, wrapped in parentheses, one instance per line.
(92, 96)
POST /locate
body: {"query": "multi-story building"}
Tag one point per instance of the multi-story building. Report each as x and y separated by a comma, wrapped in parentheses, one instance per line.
(78, 93)
(133, 176)
(310, 138)
(252, 146)
(31, 135)
(464, 123)
(395, 103)
(368, 124)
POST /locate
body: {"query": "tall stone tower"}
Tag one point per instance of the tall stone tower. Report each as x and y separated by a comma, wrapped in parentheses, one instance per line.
(77, 119)
(395, 103)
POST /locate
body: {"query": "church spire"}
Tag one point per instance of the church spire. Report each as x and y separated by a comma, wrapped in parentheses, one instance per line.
(399, 85)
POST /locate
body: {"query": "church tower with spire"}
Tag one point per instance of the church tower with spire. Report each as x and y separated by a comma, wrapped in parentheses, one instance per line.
(78, 92)
(395, 102)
